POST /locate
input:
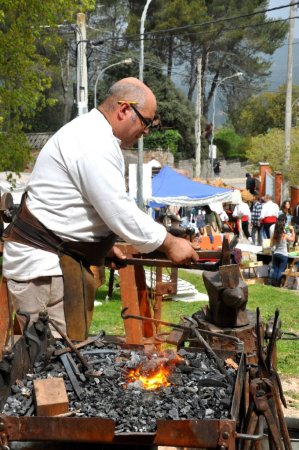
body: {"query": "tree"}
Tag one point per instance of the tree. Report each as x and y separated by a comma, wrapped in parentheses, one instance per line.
(263, 112)
(26, 28)
(230, 144)
(270, 148)
(208, 30)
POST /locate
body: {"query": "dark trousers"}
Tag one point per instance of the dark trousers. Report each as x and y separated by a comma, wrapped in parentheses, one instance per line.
(246, 229)
(279, 265)
(266, 229)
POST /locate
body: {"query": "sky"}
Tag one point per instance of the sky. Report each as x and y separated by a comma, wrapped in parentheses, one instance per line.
(283, 13)
(279, 65)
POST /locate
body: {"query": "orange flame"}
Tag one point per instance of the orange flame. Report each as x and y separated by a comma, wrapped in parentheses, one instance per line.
(154, 372)
(153, 381)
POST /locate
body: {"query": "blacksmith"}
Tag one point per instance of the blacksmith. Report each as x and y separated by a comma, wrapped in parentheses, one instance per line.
(74, 207)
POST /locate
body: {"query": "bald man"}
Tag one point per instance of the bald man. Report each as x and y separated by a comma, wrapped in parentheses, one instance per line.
(75, 206)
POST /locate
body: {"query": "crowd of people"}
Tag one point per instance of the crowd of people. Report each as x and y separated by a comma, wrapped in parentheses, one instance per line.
(268, 221)
(255, 220)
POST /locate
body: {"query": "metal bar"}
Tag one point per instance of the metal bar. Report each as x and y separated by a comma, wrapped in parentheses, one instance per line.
(167, 263)
(254, 437)
(183, 327)
(82, 344)
(210, 352)
(70, 344)
(71, 375)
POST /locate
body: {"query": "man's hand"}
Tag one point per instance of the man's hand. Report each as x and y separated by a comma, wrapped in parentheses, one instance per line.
(115, 252)
(178, 250)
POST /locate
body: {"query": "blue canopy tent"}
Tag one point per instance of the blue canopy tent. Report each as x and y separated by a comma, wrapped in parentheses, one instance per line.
(171, 188)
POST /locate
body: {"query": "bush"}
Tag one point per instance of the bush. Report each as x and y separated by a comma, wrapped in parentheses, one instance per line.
(167, 140)
(230, 144)
(15, 152)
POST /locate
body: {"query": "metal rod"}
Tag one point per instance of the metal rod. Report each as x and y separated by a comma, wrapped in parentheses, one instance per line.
(210, 352)
(181, 327)
(70, 344)
(254, 437)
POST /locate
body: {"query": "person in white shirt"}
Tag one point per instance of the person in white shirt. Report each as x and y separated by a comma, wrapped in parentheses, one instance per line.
(75, 205)
(269, 214)
(242, 212)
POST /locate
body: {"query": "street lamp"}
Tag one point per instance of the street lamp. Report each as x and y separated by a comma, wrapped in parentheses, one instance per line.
(140, 140)
(123, 61)
(238, 74)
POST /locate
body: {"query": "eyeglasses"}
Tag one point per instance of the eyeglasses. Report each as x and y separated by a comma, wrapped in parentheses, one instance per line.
(147, 123)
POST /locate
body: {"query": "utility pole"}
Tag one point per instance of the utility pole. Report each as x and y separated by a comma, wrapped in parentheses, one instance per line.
(288, 108)
(198, 122)
(140, 140)
(82, 83)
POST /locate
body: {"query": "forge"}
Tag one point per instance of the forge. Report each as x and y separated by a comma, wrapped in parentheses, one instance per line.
(196, 405)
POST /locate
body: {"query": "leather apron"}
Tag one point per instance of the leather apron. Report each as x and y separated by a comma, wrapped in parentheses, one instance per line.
(75, 261)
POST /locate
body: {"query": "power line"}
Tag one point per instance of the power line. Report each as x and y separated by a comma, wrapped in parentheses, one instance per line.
(212, 22)
(205, 32)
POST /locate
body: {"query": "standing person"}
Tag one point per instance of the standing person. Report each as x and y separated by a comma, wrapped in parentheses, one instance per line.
(243, 213)
(213, 224)
(250, 184)
(279, 245)
(295, 221)
(75, 205)
(217, 168)
(269, 215)
(286, 210)
(256, 228)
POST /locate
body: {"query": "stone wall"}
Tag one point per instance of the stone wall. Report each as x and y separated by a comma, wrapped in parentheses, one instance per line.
(229, 169)
(164, 158)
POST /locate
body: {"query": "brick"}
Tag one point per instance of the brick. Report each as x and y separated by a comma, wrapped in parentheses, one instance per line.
(50, 397)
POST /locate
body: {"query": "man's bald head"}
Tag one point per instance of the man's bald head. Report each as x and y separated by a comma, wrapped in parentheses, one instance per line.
(128, 107)
(130, 89)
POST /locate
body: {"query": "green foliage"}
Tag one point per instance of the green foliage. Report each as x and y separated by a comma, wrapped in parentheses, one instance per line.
(167, 140)
(15, 152)
(229, 143)
(26, 29)
(265, 111)
(270, 148)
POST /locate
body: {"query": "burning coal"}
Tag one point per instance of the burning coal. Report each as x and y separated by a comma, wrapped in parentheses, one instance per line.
(155, 371)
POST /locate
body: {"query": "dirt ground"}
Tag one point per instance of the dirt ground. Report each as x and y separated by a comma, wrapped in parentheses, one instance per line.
(290, 388)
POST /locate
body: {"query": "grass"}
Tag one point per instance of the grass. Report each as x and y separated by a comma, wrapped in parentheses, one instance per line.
(267, 298)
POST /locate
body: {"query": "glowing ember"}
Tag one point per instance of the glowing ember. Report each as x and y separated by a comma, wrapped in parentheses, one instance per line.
(153, 381)
(154, 373)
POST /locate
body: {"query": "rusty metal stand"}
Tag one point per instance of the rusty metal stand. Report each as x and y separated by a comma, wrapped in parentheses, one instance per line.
(134, 292)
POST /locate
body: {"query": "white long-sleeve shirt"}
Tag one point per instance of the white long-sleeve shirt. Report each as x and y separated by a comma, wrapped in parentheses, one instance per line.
(269, 209)
(77, 189)
(242, 209)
